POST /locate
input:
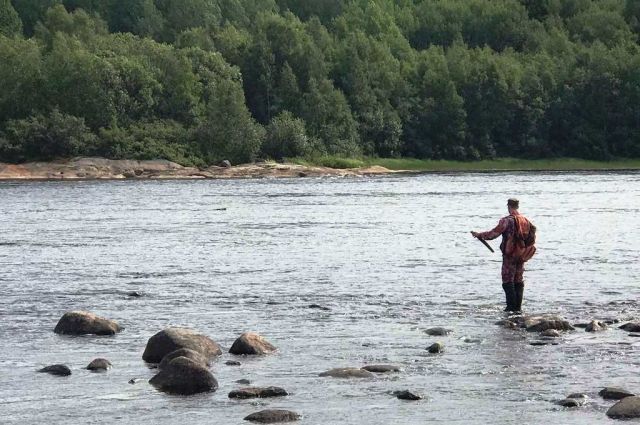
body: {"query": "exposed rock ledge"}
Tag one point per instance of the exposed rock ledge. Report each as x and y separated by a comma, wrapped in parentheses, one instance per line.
(100, 168)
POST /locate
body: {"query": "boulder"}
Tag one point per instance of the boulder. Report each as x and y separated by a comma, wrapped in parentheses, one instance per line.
(571, 402)
(56, 369)
(542, 323)
(381, 368)
(184, 352)
(172, 339)
(631, 327)
(258, 392)
(347, 372)
(99, 365)
(438, 331)
(251, 343)
(225, 164)
(85, 323)
(272, 416)
(614, 393)
(407, 395)
(185, 377)
(436, 347)
(550, 333)
(596, 326)
(627, 408)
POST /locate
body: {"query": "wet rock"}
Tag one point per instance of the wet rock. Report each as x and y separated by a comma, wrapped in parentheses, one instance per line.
(243, 382)
(183, 352)
(319, 307)
(570, 402)
(251, 343)
(258, 392)
(614, 393)
(232, 363)
(506, 323)
(436, 347)
(438, 331)
(550, 333)
(542, 343)
(578, 395)
(171, 339)
(56, 369)
(407, 395)
(635, 335)
(134, 294)
(99, 365)
(631, 327)
(347, 372)
(627, 408)
(580, 325)
(225, 164)
(271, 416)
(185, 377)
(134, 381)
(542, 323)
(596, 326)
(381, 368)
(85, 323)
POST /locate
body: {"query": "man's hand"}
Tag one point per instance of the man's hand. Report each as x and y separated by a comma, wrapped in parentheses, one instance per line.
(475, 234)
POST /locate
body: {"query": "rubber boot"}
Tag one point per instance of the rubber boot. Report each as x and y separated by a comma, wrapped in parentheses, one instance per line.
(510, 295)
(519, 289)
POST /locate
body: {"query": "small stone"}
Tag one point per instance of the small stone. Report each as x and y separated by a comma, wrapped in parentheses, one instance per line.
(243, 382)
(628, 407)
(631, 327)
(436, 347)
(99, 365)
(438, 331)
(550, 333)
(596, 326)
(407, 395)
(578, 395)
(232, 363)
(570, 402)
(271, 416)
(381, 368)
(258, 392)
(347, 372)
(250, 343)
(134, 294)
(133, 381)
(614, 393)
(57, 370)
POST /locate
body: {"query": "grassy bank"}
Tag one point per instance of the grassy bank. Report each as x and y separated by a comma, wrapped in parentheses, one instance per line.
(560, 164)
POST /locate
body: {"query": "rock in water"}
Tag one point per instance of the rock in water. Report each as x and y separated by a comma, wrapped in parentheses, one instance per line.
(438, 331)
(596, 326)
(436, 347)
(347, 372)
(407, 395)
(550, 333)
(631, 327)
(627, 408)
(85, 323)
(614, 393)
(571, 402)
(185, 377)
(232, 363)
(542, 323)
(251, 343)
(271, 416)
(258, 392)
(172, 339)
(99, 365)
(381, 368)
(57, 370)
(183, 352)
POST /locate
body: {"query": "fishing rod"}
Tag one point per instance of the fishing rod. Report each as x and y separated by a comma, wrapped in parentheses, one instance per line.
(484, 243)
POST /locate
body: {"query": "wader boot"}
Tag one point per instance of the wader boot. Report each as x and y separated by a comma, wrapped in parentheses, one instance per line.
(510, 294)
(519, 289)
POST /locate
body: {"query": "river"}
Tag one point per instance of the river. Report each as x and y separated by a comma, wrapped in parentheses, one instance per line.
(389, 256)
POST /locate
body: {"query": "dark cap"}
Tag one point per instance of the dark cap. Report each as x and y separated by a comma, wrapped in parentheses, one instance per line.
(513, 203)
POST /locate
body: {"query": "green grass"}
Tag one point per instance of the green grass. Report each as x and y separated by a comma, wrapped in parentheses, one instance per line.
(502, 164)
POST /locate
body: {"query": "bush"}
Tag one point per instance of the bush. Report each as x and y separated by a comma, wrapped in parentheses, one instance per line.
(286, 137)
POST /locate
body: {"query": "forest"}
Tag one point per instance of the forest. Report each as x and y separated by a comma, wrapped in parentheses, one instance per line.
(200, 81)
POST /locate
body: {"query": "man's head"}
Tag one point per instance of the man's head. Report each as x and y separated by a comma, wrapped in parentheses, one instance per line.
(513, 204)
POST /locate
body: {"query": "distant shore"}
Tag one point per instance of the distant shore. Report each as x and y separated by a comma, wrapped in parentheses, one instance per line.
(107, 169)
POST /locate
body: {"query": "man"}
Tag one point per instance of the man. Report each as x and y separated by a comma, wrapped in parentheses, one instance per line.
(518, 236)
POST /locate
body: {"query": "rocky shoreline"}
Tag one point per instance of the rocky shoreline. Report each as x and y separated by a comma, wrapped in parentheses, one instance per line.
(108, 169)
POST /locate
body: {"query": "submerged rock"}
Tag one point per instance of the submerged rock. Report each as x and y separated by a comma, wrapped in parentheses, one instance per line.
(258, 392)
(99, 365)
(578, 395)
(318, 307)
(85, 323)
(183, 352)
(347, 372)
(627, 408)
(232, 363)
(407, 395)
(550, 333)
(250, 343)
(614, 393)
(596, 326)
(381, 368)
(185, 377)
(172, 339)
(542, 323)
(271, 416)
(570, 402)
(243, 382)
(631, 327)
(438, 331)
(436, 347)
(56, 369)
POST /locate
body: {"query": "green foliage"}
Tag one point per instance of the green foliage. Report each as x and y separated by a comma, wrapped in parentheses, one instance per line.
(286, 137)
(10, 23)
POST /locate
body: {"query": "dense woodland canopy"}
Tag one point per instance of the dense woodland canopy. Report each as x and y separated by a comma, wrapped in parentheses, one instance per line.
(197, 81)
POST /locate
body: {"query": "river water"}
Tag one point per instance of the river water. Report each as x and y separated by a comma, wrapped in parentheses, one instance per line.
(389, 256)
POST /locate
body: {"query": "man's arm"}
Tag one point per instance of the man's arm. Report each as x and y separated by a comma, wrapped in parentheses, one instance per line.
(494, 233)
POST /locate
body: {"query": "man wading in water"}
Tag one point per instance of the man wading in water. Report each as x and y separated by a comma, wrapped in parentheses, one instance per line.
(518, 239)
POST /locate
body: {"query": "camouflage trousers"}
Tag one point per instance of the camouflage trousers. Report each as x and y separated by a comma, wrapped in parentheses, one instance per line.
(512, 270)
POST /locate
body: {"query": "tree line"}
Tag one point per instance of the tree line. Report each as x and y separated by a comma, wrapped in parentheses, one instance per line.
(198, 81)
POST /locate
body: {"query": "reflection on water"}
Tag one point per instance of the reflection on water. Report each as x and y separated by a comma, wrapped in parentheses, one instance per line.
(385, 257)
